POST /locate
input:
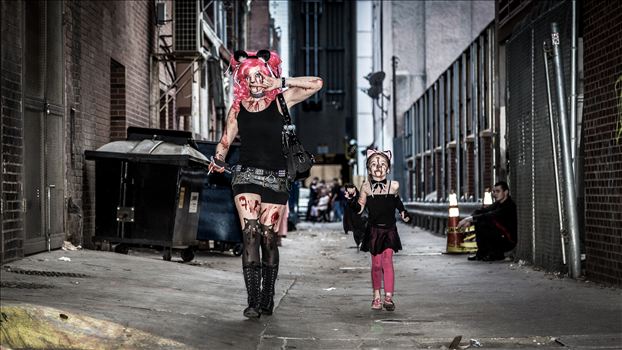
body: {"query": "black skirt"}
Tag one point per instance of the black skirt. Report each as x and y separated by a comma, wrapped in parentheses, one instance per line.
(378, 238)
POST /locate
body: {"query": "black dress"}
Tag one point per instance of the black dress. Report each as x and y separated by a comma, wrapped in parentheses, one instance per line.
(381, 231)
(260, 134)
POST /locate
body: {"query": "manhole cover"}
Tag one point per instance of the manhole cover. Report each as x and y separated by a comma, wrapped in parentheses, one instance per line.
(24, 285)
(46, 273)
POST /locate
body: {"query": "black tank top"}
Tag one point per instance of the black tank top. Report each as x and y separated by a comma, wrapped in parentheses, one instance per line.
(260, 136)
(381, 209)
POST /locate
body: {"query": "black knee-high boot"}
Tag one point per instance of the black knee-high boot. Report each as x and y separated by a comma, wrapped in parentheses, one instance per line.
(252, 279)
(269, 274)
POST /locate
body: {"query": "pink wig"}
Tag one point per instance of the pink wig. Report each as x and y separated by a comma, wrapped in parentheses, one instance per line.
(240, 71)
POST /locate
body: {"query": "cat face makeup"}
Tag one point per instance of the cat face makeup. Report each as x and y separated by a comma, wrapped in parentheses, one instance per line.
(378, 166)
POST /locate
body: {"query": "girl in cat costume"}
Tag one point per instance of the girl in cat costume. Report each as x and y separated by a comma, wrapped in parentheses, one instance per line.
(381, 199)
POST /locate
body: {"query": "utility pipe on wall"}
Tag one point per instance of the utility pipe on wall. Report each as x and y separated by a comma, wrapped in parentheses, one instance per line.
(569, 193)
(562, 230)
(573, 87)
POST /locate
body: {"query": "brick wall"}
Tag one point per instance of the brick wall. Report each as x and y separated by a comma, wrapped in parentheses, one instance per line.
(259, 21)
(97, 33)
(603, 153)
(11, 130)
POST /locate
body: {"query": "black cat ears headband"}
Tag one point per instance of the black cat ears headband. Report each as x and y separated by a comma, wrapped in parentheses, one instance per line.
(241, 55)
(262, 55)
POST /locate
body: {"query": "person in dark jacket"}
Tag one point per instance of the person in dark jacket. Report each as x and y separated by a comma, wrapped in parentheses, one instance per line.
(313, 197)
(352, 220)
(495, 226)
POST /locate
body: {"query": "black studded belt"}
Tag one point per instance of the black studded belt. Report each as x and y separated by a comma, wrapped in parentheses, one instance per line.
(275, 180)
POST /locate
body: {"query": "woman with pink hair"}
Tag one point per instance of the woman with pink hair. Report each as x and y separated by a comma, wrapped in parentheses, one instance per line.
(260, 183)
(381, 199)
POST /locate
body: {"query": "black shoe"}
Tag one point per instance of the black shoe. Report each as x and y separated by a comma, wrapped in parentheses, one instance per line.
(494, 257)
(252, 312)
(269, 274)
(475, 258)
(252, 279)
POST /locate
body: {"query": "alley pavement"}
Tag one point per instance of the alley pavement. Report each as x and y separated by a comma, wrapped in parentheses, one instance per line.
(89, 299)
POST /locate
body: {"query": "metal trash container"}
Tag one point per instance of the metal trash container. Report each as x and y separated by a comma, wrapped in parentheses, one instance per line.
(148, 191)
(219, 223)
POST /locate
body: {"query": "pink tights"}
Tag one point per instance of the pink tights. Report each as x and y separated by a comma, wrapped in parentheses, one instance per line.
(382, 266)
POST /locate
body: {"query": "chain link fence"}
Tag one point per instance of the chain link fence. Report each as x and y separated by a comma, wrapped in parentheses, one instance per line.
(530, 151)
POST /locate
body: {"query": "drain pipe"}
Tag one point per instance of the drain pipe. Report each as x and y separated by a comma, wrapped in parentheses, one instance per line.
(569, 193)
(562, 229)
(573, 87)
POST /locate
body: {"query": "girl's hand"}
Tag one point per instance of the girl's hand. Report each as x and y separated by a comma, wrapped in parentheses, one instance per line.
(405, 216)
(350, 192)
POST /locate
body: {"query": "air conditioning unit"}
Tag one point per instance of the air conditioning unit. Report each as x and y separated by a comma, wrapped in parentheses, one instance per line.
(187, 34)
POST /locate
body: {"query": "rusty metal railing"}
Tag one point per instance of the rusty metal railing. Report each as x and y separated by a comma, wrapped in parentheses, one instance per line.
(433, 216)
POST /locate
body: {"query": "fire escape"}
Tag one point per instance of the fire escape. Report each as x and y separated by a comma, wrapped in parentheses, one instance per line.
(189, 88)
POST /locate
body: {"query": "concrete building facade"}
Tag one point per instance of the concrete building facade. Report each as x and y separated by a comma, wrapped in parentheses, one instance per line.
(424, 37)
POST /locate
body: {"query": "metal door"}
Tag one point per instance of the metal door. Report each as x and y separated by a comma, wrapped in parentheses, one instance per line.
(43, 127)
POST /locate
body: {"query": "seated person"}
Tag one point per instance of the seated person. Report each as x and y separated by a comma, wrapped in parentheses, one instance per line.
(319, 211)
(495, 226)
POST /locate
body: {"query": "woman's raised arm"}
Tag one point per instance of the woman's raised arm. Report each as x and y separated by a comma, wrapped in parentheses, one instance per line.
(301, 88)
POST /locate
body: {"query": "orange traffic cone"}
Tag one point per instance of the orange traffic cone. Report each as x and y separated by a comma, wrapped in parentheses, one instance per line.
(454, 236)
(487, 197)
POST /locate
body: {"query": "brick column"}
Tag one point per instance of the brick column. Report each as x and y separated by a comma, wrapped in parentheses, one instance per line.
(118, 119)
(452, 182)
(11, 243)
(470, 168)
(603, 149)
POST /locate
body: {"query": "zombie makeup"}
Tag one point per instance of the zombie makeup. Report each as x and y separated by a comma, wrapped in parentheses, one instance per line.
(378, 166)
(249, 70)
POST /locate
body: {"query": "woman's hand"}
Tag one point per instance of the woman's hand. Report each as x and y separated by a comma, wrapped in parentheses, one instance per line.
(216, 166)
(270, 83)
(405, 216)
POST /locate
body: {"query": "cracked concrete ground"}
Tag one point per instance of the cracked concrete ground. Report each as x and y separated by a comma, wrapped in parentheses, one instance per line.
(104, 300)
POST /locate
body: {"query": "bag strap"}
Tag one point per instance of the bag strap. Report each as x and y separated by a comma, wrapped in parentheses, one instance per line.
(287, 119)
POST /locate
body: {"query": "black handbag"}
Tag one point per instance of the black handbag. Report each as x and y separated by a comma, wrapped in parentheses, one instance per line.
(299, 161)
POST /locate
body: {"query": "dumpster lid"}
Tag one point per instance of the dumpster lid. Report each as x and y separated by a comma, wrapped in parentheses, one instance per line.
(149, 151)
(177, 137)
